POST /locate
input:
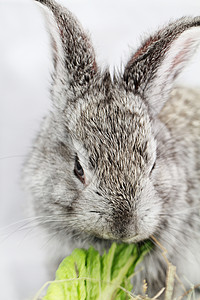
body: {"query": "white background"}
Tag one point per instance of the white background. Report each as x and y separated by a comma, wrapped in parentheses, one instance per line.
(115, 27)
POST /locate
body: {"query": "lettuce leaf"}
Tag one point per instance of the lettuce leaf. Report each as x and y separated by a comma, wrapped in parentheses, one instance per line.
(85, 275)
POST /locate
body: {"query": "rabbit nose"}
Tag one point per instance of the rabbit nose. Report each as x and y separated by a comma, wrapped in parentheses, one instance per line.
(126, 235)
(124, 225)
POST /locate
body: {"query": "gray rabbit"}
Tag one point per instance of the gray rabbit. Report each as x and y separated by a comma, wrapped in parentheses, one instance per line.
(119, 159)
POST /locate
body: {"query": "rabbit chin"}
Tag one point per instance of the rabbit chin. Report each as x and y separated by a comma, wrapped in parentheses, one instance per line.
(124, 236)
(130, 239)
(105, 240)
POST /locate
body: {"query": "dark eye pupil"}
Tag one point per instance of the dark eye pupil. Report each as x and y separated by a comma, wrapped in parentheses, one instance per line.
(78, 170)
(153, 167)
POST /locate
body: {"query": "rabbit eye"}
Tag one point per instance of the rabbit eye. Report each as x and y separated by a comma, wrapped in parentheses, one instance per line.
(78, 170)
(153, 167)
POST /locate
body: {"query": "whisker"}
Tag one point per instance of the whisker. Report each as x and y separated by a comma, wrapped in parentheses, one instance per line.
(7, 236)
(52, 236)
(186, 232)
(183, 210)
(194, 218)
(27, 234)
(21, 221)
(168, 236)
(12, 156)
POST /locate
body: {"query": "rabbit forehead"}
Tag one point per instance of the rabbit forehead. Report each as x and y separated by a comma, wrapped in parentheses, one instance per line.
(117, 136)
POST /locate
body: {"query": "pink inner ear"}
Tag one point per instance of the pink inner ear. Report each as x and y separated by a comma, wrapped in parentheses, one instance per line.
(182, 56)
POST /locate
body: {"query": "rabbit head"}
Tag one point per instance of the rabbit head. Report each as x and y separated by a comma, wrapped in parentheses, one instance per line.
(103, 164)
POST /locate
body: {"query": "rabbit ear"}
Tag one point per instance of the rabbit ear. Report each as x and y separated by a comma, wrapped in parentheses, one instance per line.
(152, 69)
(74, 59)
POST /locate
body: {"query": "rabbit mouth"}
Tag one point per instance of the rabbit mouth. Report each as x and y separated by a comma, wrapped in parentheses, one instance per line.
(128, 240)
(132, 239)
(124, 238)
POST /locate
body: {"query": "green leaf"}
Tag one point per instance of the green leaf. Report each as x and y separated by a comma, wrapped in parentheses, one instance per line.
(55, 292)
(107, 262)
(81, 270)
(93, 286)
(105, 274)
(64, 284)
(122, 254)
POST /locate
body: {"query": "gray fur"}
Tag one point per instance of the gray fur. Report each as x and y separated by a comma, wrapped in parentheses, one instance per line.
(138, 142)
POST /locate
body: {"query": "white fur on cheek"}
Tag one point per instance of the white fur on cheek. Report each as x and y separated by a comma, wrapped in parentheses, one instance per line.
(148, 210)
